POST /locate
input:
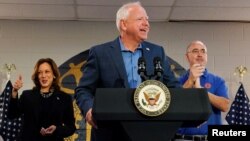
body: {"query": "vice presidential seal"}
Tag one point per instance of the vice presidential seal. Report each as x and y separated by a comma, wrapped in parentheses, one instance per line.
(152, 98)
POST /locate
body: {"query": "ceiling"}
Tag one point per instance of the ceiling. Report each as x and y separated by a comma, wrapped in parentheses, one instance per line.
(105, 10)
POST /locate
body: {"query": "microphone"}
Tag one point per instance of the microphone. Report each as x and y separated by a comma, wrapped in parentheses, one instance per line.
(142, 68)
(158, 68)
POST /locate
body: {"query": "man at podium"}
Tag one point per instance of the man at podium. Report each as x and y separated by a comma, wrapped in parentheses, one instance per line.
(114, 65)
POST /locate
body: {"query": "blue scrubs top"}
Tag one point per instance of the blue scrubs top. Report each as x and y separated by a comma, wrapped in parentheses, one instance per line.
(215, 85)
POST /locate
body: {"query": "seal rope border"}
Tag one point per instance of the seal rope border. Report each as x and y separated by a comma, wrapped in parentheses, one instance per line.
(167, 99)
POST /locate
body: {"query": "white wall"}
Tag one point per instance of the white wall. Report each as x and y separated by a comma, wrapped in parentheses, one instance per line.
(24, 42)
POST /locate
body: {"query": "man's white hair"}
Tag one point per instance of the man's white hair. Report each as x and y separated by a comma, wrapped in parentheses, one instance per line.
(123, 12)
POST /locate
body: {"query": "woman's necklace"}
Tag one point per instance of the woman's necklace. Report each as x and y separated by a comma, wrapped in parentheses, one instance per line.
(47, 94)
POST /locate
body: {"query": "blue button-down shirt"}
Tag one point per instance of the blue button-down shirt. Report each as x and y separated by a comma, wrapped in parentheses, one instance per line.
(131, 60)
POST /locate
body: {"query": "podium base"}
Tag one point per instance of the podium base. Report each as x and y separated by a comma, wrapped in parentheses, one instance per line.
(151, 130)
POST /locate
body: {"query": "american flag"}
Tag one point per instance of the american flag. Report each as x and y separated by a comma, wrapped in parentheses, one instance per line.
(9, 129)
(239, 113)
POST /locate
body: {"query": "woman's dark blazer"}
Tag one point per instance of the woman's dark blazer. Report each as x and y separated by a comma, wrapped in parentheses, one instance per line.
(61, 114)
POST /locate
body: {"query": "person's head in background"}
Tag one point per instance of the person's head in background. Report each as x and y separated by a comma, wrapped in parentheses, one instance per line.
(196, 53)
(46, 75)
(132, 22)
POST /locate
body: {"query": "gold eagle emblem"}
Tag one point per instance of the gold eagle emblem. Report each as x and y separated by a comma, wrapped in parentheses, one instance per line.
(152, 98)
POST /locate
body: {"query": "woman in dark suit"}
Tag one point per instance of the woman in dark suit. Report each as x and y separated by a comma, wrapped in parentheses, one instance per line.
(47, 111)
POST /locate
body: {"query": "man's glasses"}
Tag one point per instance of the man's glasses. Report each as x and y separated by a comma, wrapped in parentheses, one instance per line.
(197, 51)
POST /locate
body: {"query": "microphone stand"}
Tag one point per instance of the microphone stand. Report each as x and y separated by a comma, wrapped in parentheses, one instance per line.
(158, 71)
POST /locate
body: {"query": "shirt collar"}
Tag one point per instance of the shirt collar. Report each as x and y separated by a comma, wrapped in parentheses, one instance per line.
(205, 73)
(123, 47)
